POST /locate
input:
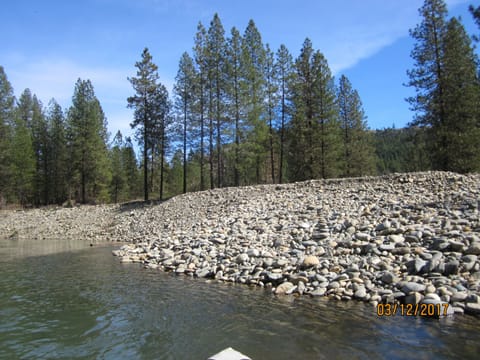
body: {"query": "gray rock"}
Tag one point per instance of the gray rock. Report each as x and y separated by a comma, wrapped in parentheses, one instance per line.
(301, 287)
(468, 262)
(203, 273)
(318, 292)
(388, 278)
(409, 287)
(310, 260)
(362, 236)
(333, 285)
(473, 298)
(241, 258)
(284, 288)
(451, 267)
(361, 293)
(396, 238)
(459, 296)
(253, 253)
(432, 296)
(386, 247)
(473, 249)
(414, 298)
(274, 276)
(456, 246)
(472, 308)
(402, 250)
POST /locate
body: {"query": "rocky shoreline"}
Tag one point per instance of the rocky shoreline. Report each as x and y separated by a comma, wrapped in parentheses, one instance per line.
(401, 238)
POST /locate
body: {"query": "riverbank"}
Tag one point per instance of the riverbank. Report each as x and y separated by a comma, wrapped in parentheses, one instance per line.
(406, 238)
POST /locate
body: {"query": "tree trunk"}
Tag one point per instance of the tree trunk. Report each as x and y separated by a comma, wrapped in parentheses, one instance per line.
(145, 159)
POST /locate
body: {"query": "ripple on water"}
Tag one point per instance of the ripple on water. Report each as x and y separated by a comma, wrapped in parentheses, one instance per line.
(87, 305)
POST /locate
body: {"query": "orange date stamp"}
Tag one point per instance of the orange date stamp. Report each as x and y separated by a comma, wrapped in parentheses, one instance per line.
(412, 309)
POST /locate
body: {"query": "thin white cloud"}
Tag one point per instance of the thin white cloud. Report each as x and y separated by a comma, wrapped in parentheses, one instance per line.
(51, 77)
(357, 38)
(55, 78)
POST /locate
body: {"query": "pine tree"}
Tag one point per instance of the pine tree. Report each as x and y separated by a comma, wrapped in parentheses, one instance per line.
(88, 137)
(253, 95)
(22, 161)
(185, 90)
(151, 111)
(446, 81)
(327, 144)
(358, 158)
(301, 144)
(216, 54)
(175, 174)
(162, 122)
(7, 115)
(476, 16)
(200, 93)
(234, 54)
(428, 77)
(461, 125)
(118, 183)
(271, 100)
(58, 160)
(284, 65)
(133, 177)
(315, 131)
(41, 148)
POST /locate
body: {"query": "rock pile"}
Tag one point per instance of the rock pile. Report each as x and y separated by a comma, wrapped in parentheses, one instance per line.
(406, 238)
(84, 222)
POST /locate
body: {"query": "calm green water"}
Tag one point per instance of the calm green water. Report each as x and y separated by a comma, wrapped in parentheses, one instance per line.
(83, 304)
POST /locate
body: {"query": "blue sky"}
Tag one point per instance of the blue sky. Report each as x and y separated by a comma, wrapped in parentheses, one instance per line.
(47, 45)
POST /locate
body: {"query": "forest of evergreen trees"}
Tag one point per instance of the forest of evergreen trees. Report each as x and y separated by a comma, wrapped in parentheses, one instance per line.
(242, 113)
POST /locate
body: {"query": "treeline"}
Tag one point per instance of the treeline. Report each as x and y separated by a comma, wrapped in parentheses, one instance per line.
(242, 114)
(50, 156)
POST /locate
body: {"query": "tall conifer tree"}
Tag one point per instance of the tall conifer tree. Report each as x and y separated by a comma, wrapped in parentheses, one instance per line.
(7, 116)
(151, 106)
(234, 54)
(58, 160)
(271, 101)
(200, 56)
(461, 125)
(253, 95)
(428, 77)
(358, 152)
(185, 90)
(216, 50)
(88, 137)
(284, 65)
(446, 82)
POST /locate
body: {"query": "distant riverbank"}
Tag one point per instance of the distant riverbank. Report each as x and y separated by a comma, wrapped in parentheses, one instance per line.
(402, 238)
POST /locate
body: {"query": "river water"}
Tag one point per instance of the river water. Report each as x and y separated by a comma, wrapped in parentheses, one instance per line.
(65, 300)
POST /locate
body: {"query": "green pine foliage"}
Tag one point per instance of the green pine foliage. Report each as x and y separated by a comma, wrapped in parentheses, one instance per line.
(462, 98)
(7, 120)
(358, 150)
(315, 130)
(216, 76)
(476, 16)
(446, 81)
(284, 72)
(151, 119)
(184, 104)
(58, 156)
(87, 137)
(22, 162)
(118, 185)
